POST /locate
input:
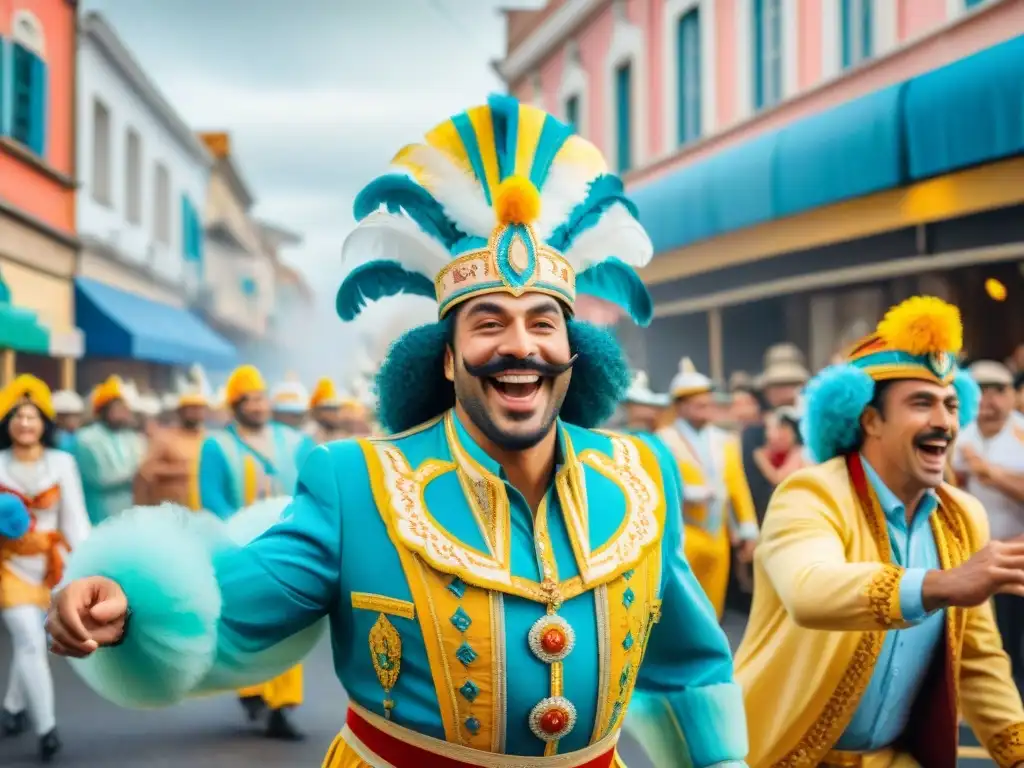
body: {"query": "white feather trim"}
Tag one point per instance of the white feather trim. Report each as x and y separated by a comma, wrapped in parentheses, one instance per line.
(393, 237)
(458, 192)
(617, 234)
(565, 187)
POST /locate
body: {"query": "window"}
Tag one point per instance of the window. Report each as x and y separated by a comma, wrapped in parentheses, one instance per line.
(572, 112)
(133, 177)
(100, 153)
(191, 232)
(767, 52)
(624, 116)
(858, 27)
(688, 81)
(162, 205)
(27, 83)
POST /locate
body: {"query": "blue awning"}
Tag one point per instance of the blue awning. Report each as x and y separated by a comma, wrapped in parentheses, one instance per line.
(117, 323)
(966, 113)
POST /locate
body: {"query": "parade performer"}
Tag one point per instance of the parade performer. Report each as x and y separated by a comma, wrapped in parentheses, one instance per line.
(70, 411)
(499, 578)
(717, 506)
(645, 409)
(251, 459)
(336, 417)
(109, 452)
(170, 471)
(47, 483)
(289, 403)
(871, 622)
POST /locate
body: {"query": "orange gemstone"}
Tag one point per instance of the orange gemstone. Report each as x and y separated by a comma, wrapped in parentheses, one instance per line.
(553, 640)
(553, 721)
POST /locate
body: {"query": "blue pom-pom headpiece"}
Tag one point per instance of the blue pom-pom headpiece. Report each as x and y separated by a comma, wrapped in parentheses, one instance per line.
(502, 197)
(918, 339)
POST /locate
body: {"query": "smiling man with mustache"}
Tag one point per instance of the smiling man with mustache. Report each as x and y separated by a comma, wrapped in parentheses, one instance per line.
(871, 617)
(500, 578)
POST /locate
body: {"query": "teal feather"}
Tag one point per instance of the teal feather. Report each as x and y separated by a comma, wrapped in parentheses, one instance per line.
(401, 193)
(969, 396)
(161, 557)
(615, 281)
(605, 191)
(505, 124)
(378, 280)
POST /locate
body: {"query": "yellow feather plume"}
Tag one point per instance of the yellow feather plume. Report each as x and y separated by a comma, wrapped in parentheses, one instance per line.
(517, 201)
(923, 325)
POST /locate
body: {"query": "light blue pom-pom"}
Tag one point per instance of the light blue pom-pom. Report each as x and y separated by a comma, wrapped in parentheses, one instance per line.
(249, 523)
(14, 518)
(833, 403)
(162, 558)
(969, 394)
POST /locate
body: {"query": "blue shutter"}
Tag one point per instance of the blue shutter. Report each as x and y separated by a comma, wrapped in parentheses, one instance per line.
(972, 3)
(688, 66)
(867, 29)
(624, 116)
(5, 110)
(846, 19)
(186, 230)
(37, 113)
(197, 238)
(572, 112)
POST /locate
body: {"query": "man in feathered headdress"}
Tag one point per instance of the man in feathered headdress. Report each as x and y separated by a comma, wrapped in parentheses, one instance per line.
(501, 577)
(289, 403)
(872, 622)
(336, 417)
(109, 451)
(717, 507)
(170, 471)
(645, 409)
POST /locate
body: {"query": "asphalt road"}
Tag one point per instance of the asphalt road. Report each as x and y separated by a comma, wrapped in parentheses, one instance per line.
(207, 733)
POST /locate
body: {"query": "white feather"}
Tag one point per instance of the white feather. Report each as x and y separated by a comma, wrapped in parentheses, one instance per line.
(458, 192)
(393, 237)
(565, 187)
(617, 234)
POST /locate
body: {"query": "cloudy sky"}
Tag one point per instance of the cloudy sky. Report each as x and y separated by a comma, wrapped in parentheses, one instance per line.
(317, 94)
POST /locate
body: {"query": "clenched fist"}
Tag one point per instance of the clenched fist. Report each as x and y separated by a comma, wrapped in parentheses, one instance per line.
(87, 614)
(997, 568)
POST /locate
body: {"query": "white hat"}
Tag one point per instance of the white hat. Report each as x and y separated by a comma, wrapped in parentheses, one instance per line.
(783, 374)
(785, 352)
(68, 403)
(169, 402)
(988, 373)
(191, 390)
(147, 405)
(640, 393)
(688, 381)
(290, 397)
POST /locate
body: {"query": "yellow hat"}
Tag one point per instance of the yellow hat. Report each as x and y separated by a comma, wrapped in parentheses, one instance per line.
(243, 381)
(110, 390)
(26, 389)
(325, 395)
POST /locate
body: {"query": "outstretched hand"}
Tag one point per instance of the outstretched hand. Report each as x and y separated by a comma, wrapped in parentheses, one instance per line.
(87, 614)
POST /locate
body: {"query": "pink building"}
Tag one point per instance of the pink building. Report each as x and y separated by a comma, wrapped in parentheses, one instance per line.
(800, 164)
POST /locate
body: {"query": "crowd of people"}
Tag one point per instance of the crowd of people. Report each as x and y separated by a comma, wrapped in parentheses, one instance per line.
(510, 583)
(74, 462)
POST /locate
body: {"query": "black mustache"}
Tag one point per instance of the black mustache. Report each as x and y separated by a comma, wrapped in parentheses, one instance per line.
(935, 434)
(509, 363)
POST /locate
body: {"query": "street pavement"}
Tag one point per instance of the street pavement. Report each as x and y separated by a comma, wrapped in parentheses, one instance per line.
(210, 732)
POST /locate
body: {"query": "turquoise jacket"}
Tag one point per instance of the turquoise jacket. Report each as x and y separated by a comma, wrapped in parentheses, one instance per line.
(233, 475)
(434, 573)
(108, 461)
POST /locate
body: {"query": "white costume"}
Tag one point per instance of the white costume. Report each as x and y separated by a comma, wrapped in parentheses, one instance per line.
(31, 566)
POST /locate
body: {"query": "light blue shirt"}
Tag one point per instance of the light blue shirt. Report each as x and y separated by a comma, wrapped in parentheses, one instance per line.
(906, 654)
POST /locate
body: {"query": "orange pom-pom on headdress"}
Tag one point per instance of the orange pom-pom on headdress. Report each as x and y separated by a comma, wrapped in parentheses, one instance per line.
(923, 325)
(517, 201)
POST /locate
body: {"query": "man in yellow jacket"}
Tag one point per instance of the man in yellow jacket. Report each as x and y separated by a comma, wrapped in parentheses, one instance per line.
(871, 624)
(714, 484)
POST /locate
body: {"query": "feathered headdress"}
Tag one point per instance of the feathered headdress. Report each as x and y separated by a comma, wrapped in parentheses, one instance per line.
(194, 389)
(918, 339)
(500, 198)
(26, 389)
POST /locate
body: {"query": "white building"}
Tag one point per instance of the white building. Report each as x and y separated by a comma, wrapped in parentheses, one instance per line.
(144, 179)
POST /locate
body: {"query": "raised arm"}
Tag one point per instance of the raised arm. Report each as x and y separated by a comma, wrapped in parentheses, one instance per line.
(207, 614)
(685, 702)
(803, 554)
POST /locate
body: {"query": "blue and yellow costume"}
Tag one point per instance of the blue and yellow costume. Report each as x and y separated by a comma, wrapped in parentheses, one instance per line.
(467, 630)
(233, 474)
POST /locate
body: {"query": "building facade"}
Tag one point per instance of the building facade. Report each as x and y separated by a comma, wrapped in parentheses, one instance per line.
(38, 243)
(800, 164)
(144, 179)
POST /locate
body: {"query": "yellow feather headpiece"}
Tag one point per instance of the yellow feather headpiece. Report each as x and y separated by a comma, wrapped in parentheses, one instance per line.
(243, 381)
(110, 390)
(26, 389)
(325, 394)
